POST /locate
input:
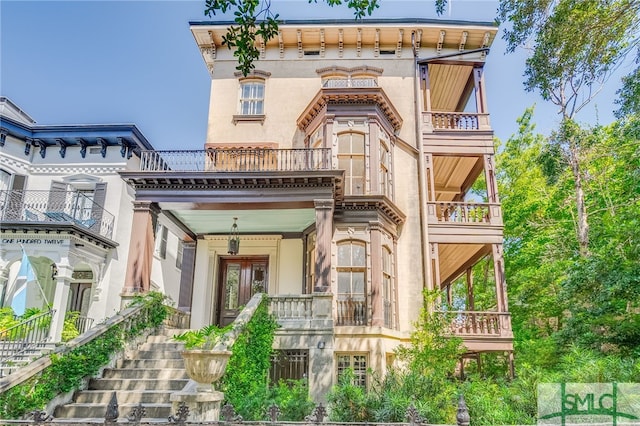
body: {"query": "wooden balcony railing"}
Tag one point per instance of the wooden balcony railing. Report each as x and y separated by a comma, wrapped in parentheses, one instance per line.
(476, 323)
(236, 160)
(464, 212)
(438, 120)
(56, 206)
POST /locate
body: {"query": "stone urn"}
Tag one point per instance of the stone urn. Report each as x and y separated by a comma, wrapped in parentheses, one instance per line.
(205, 367)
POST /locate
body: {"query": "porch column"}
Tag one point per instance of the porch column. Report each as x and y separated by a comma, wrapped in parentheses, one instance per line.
(377, 308)
(501, 288)
(324, 236)
(470, 295)
(425, 87)
(138, 275)
(490, 175)
(60, 300)
(478, 82)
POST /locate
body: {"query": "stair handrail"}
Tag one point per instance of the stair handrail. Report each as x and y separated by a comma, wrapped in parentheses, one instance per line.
(30, 334)
(24, 373)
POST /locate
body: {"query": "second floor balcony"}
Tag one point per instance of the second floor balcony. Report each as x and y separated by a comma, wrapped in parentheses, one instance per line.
(237, 160)
(454, 212)
(52, 208)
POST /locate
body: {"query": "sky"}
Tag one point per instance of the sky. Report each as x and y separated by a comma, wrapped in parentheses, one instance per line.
(93, 62)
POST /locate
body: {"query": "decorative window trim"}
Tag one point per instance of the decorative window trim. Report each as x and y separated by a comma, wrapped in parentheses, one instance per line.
(254, 118)
(253, 75)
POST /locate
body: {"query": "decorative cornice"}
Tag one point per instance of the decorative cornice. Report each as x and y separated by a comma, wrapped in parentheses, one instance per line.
(253, 74)
(338, 70)
(63, 147)
(83, 149)
(373, 202)
(370, 95)
(27, 145)
(3, 136)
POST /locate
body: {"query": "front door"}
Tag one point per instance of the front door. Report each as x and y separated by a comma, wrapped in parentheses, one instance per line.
(240, 278)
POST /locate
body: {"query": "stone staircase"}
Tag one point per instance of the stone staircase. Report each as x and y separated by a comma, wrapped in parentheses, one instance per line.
(13, 356)
(148, 377)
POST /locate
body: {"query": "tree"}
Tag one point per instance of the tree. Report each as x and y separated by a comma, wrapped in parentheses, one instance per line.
(255, 19)
(575, 47)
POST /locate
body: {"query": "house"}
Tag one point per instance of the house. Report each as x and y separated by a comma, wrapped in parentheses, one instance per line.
(64, 206)
(352, 169)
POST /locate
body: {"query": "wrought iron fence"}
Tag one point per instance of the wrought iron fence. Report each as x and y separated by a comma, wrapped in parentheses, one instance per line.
(24, 340)
(236, 160)
(72, 207)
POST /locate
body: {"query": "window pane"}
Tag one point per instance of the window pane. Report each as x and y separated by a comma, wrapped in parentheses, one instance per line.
(358, 255)
(357, 144)
(344, 283)
(232, 286)
(344, 255)
(358, 285)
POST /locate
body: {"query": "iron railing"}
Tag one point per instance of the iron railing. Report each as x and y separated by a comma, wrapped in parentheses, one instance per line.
(237, 160)
(23, 341)
(83, 324)
(56, 206)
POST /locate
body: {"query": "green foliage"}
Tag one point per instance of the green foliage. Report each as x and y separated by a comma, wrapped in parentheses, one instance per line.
(245, 380)
(575, 44)
(292, 398)
(67, 370)
(7, 318)
(203, 338)
(426, 380)
(69, 329)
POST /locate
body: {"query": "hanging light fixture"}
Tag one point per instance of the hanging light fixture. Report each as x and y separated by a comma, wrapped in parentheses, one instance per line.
(233, 243)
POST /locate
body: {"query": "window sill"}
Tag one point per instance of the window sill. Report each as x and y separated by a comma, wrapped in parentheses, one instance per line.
(248, 118)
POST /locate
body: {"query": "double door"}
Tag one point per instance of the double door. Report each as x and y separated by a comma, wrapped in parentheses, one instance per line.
(240, 278)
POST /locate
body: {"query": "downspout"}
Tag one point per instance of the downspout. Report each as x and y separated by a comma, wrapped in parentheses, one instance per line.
(426, 258)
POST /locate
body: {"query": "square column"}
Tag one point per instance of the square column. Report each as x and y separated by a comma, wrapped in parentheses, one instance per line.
(141, 246)
(324, 237)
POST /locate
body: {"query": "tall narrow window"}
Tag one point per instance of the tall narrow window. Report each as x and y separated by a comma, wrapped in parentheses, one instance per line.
(387, 288)
(252, 98)
(351, 159)
(385, 180)
(180, 254)
(351, 300)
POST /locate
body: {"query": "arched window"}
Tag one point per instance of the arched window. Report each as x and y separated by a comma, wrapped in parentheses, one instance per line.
(352, 306)
(351, 158)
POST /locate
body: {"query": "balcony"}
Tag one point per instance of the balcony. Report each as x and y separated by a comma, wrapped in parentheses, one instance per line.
(237, 160)
(453, 212)
(303, 311)
(481, 330)
(71, 208)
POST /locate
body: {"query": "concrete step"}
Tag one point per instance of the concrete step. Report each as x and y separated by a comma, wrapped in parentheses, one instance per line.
(162, 346)
(150, 363)
(124, 397)
(145, 373)
(159, 354)
(137, 384)
(99, 410)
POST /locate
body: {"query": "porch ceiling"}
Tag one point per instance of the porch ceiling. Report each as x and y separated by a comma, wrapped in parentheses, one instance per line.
(203, 222)
(456, 258)
(450, 86)
(453, 176)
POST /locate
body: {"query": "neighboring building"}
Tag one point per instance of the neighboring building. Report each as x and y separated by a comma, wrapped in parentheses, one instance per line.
(347, 157)
(63, 204)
